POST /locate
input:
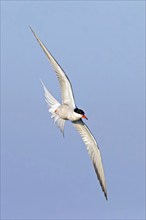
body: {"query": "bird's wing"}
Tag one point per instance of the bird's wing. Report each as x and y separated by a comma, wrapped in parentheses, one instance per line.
(93, 151)
(66, 87)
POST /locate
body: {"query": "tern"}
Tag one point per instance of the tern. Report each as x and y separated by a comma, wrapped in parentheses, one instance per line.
(69, 111)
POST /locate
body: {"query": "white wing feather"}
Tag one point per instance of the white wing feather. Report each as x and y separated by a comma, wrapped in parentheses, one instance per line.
(66, 87)
(93, 151)
(53, 105)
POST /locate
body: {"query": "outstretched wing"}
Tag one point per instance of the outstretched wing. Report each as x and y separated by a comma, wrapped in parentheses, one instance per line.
(93, 151)
(66, 87)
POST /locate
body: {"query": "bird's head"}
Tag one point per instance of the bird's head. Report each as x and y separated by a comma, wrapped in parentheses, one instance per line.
(80, 112)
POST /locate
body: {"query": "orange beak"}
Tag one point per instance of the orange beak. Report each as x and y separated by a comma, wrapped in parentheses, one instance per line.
(84, 116)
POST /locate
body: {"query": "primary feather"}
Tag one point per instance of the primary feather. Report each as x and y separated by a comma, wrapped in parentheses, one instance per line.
(93, 151)
(66, 87)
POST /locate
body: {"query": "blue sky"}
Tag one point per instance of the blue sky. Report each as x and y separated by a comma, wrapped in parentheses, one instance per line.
(100, 45)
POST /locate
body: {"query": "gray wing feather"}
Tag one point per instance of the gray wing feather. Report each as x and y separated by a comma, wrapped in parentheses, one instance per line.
(93, 151)
(66, 87)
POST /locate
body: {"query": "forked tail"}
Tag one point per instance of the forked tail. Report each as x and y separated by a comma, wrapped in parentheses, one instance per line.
(53, 104)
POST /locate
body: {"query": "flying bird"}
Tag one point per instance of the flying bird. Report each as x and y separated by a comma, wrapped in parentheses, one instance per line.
(69, 111)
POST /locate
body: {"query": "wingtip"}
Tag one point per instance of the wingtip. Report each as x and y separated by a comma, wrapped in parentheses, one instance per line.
(34, 33)
(42, 83)
(106, 196)
(31, 29)
(105, 193)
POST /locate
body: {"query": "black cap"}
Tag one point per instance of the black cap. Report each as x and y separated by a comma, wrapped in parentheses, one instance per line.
(79, 111)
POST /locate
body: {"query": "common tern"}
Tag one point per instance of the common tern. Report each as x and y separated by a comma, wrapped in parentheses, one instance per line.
(69, 111)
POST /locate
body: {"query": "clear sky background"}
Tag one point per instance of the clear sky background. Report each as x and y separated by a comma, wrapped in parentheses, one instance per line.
(100, 45)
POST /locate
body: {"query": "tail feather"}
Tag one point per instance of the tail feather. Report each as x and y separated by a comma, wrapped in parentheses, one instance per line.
(53, 104)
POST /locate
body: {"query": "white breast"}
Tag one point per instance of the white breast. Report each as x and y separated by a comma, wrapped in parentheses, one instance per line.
(66, 112)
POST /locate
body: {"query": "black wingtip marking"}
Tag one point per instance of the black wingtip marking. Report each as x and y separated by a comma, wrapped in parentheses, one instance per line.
(106, 196)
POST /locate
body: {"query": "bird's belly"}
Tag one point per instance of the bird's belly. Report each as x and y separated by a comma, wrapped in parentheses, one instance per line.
(66, 112)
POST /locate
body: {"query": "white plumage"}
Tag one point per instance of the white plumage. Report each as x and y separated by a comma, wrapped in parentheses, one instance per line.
(68, 111)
